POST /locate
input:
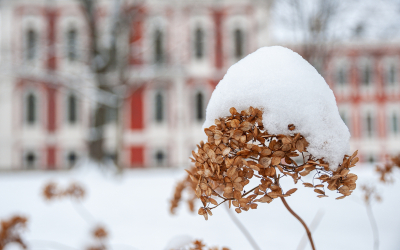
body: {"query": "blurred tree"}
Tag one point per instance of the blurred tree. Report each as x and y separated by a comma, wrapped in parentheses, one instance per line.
(108, 62)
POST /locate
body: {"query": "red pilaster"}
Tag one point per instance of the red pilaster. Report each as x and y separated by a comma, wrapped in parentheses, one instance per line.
(218, 16)
(51, 109)
(137, 156)
(51, 157)
(136, 106)
(51, 38)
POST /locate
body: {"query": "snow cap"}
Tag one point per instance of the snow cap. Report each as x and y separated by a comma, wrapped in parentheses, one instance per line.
(289, 91)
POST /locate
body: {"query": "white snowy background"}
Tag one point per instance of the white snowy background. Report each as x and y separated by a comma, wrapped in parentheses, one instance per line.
(134, 207)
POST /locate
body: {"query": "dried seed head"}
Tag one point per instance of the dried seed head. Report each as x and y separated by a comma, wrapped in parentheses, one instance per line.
(239, 149)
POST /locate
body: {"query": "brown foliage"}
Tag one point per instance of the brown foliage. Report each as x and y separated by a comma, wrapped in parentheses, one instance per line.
(186, 183)
(369, 193)
(99, 234)
(52, 191)
(10, 231)
(386, 171)
(239, 149)
(199, 245)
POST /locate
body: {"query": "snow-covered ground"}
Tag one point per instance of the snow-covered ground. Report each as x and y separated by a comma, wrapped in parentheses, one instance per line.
(134, 207)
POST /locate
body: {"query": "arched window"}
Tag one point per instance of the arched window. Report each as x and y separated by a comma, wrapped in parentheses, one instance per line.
(158, 47)
(30, 160)
(71, 44)
(72, 109)
(159, 108)
(238, 40)
(341, 76)
(31, 109)
(366, 75)
(199, 43)
(31, 44)
(199, 106)
(369, 125)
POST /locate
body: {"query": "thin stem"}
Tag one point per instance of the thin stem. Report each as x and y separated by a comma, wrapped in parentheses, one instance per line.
(374, 226)
(301, 221)
(83, 212)
(242, 229)
(314, 224)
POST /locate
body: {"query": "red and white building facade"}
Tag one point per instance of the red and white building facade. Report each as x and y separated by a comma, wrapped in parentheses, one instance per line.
(178, 51)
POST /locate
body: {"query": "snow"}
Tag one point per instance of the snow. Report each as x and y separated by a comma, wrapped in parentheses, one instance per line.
(289, 91)
(134, 209)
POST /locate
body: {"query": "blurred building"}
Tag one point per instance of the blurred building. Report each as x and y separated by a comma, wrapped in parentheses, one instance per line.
(177, 51)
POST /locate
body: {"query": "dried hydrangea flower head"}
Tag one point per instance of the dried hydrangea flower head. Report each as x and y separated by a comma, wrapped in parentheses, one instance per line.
(10, 231)
(52, 191)
(239, 149)
(386, 171)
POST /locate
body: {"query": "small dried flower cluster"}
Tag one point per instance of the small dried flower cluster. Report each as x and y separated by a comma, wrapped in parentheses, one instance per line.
(199, 245)
(10, 231)
(100, 235)
(386, 171)
(370, 193)
(239, 148)
(52, 191)
(186, 183)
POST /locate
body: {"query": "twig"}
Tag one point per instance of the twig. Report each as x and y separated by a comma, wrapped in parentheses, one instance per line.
(314, 224)
(301, 221)
(374, 226)
(242, 229)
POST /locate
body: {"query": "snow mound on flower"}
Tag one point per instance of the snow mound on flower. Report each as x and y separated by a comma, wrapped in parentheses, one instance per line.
(289, 91)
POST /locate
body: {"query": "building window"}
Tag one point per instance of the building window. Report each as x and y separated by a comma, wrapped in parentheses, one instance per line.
(394, 124)
(111, 114)
(341, 77)
(72, 109)
(159, 107)
(158, 47)
(71, 159)
(366, 75)
(391, 77)
(71, 45)
(160, 158)
(199, 43)
(30, 160)
(31, 44)
(199, 106)
(31, 109)
(238, 39)
(369, 125)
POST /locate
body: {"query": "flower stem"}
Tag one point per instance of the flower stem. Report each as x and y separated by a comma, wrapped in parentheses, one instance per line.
(301, 221)
(373, 225)
(242, 229)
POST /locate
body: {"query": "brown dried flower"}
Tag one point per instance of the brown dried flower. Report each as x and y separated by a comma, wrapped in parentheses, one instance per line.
(52, 191)
(239, 148)
(10, 231)
(186, 183)
(199, 245)
(100, 232)
(386, 171)
(369, 193)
